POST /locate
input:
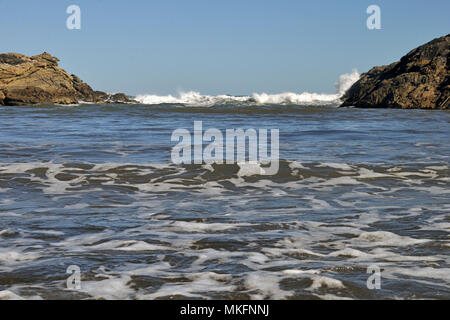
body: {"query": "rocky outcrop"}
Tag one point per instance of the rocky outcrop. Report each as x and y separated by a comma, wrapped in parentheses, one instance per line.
(420, 80)
(38, 79)
(119, 98)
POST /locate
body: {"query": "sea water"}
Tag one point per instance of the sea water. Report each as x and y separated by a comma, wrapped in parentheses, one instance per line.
(93, 186)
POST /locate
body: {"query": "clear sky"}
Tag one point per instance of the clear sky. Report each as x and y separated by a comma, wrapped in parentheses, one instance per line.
(230, 46)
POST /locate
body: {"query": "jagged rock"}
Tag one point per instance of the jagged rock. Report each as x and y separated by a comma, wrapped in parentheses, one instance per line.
(420, 80)
(120, 98)
(101, 96)
(38, 79)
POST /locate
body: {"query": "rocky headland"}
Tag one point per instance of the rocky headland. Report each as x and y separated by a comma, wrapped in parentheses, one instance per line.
(38, 80)
(420, 80)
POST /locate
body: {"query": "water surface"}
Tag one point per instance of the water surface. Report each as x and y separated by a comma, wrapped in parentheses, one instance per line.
(93, 186)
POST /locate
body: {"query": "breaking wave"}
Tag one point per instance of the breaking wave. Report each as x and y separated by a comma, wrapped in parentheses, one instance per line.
(193, 98)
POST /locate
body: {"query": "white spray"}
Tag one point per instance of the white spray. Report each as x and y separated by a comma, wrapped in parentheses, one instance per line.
(193, 98)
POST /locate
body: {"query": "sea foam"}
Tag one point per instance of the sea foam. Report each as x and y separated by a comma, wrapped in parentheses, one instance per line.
(193, 98)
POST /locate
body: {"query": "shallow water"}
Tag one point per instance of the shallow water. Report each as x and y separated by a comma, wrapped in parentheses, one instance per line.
(93, 186)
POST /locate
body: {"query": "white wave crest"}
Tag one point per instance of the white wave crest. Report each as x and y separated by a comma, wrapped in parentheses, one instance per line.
(295, 98)
(193, 98)
(346, 81)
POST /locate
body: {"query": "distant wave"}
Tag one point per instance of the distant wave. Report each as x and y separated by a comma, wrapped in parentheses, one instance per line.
(193, 98)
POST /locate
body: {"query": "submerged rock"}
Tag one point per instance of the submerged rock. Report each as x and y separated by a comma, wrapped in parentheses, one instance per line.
(420, 80)
(38, 79)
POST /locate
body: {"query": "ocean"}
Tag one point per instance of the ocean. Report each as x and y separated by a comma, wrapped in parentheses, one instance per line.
(359, 193)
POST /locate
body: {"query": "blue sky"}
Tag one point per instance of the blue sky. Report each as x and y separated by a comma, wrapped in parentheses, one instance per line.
(234, 46)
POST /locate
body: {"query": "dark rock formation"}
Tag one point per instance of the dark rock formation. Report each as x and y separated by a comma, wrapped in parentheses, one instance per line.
(119, 98)
(420, 80)
(38, 79)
